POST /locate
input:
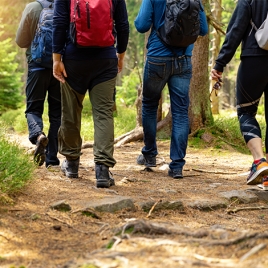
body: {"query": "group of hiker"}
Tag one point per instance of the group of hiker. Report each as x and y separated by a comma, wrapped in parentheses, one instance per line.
(74, 47)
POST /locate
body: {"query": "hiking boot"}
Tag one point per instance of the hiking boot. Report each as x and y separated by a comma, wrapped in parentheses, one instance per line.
(265, 183)
(258, 172)
(175, 173)
(40, 150)
(70, 168)
(103, 176)
(148, 161)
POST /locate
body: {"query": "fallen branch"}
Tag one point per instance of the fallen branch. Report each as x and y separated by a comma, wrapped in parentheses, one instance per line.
(152, 208)
(214, 172)
(69, 225)
(230, 242)
(234, 210)
(4, 237)
(254, 250)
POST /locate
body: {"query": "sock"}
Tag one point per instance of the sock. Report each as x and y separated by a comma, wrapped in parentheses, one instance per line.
(258, 161)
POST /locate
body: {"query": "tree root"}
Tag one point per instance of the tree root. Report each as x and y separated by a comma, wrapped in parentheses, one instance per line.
(146, 227)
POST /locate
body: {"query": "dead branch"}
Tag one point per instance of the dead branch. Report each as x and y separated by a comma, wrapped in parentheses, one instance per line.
(213, 22)
(137, 133)
(153, 207)
(234, 210)
(214, 172)
(230, 242)
(134, 135)
(254, 250)
(69, 225)
(4, 237)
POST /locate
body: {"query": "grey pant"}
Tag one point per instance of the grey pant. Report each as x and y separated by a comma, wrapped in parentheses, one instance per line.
(102, 101)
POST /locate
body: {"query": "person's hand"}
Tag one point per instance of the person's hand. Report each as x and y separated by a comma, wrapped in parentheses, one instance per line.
(58, 68)
(215, 75)
(120, 61)
(59, 71)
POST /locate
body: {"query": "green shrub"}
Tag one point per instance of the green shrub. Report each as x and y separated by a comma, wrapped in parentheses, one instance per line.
(16, 167)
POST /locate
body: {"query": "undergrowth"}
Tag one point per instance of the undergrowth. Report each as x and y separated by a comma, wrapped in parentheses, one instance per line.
(16, 167)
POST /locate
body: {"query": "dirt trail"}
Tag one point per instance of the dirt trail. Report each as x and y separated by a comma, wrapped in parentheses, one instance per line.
(204, 228)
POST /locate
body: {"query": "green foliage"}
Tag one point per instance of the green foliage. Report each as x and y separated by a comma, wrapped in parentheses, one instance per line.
(226, 134)
(16, 167)
(136, 40)
(127, 93)
(10, 79)
(15, 119)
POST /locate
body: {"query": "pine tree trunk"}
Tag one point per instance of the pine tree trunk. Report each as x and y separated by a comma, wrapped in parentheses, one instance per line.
(200, 111)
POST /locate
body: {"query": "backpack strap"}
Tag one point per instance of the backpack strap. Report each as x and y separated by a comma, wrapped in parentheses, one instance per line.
(46, 3)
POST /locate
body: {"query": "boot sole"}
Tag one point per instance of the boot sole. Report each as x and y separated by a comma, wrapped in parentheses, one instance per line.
(39, 153)
(70, 175)
(105, 183)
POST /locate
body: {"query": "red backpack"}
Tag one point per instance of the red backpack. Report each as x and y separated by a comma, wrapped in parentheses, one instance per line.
(92, 23)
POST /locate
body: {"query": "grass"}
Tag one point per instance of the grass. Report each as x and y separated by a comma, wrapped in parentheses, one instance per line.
(16, 167)
(225, 132)
(124, 121)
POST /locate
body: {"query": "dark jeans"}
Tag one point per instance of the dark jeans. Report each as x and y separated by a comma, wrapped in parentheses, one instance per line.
(158, 72)
(41, 82)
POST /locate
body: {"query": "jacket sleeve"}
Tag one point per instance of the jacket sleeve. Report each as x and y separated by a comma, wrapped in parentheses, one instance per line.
(121, 26)
(61, 22)
(236, 30)
(144, 19)
(28, 24)
(203, 22)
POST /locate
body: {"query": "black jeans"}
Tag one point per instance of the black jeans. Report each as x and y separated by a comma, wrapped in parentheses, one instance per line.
(41, 82)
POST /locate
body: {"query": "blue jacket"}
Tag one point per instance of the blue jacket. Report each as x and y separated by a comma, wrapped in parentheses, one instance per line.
(152, 14)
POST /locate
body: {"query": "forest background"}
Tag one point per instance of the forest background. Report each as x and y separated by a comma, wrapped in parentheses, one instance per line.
(202, 112)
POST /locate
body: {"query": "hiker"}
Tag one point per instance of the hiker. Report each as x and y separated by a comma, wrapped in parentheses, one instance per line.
(81, 68)
(171, 66)
(40, 82)
(251, 81)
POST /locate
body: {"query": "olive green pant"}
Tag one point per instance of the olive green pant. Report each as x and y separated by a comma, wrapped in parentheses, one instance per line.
(102, 101)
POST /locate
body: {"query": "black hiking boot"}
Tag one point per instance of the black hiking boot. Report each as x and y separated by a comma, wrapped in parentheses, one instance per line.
(40, 150)
(70, 168)
(175, 173)
(103, 176)
(148, 161)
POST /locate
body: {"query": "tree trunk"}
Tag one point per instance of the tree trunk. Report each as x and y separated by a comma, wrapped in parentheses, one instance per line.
(200, 111)
(216, 42)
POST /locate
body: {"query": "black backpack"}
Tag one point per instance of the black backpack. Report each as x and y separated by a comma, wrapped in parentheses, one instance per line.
(182, 23)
